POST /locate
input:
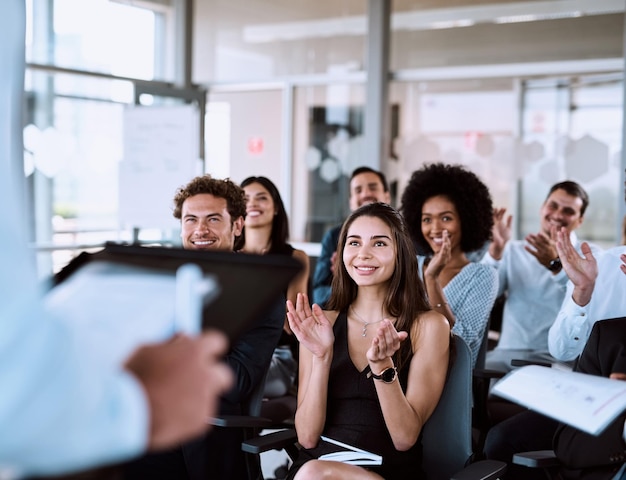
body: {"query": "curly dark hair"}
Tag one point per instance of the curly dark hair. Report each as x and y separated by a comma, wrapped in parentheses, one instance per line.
(226, 189)
(469, 194)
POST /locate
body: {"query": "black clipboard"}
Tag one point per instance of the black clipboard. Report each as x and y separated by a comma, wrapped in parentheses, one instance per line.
(249, 285)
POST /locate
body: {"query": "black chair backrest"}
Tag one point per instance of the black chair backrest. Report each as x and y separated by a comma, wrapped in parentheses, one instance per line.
(447, 435)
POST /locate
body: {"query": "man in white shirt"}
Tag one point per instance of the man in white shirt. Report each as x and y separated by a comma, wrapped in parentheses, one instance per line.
(596, 291)
(531, 276)
(62, 408)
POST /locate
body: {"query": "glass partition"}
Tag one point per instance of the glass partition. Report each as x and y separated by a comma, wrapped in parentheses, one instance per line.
(575, 126)
(257, 41)
(328, 145)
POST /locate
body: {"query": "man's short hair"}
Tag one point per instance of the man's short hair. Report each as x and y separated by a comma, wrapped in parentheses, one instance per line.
(573, 189)
(381, 176)
(233, 194)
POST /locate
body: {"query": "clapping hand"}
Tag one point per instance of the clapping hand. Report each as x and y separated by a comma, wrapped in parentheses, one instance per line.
(501, 232)
(310, 326)
(582, 271)
(542, 247)
(386, 342)
(441, 258)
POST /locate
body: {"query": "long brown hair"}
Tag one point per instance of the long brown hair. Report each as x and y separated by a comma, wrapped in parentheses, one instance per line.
(406, 295)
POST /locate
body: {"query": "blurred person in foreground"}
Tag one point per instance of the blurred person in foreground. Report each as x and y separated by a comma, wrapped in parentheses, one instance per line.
(62, 408)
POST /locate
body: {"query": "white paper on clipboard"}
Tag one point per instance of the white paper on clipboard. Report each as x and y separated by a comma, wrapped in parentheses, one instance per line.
(118, 307)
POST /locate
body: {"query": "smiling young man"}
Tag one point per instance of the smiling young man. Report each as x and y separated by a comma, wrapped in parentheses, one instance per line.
(211, 213)
(532, 277)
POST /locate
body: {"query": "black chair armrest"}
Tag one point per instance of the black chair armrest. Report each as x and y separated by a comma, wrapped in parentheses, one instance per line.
(240, 421)
(482, 470)
(537, 459)
(272, 441)
(488, 374)
(518, 362)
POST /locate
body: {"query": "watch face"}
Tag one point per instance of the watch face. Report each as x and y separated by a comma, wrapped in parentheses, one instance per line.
(388, 375)
(555, 265)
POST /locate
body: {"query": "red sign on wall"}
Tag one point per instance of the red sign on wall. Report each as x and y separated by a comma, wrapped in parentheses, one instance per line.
(255, 145)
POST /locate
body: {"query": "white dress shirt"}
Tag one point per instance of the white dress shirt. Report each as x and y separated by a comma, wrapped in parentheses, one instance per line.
(572, 327)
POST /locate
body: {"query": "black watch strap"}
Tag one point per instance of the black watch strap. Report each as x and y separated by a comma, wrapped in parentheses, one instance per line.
(555, 265)
(388, 375)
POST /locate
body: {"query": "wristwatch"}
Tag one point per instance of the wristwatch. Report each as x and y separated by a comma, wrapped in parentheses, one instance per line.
(388, 375)
(555, 265)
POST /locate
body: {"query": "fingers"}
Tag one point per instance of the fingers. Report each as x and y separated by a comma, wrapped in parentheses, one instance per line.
(586, 251)
(303, 307)
(498, 214)
(214, 343)
(318, 312)
(387, 340)
(499, 218)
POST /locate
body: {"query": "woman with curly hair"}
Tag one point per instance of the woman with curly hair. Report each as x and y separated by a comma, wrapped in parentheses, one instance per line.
(449, 213)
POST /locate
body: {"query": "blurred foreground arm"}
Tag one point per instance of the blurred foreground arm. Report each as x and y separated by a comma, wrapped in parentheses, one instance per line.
(183, 380)
(62, 407)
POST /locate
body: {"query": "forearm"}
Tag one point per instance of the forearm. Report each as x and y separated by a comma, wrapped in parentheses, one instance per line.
(437, 298)
(569, 332)
(312, 401)
(402, 421)
(496, 250)
(582, 293)
(405, 413)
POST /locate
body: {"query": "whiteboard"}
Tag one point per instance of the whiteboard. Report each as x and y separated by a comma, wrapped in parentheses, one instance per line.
(161, 153)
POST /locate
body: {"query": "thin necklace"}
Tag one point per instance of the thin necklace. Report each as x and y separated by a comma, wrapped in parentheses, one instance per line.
(365, 324)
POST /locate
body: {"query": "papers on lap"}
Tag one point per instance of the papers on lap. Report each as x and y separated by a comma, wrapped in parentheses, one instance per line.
(350, 454)
(586, 402)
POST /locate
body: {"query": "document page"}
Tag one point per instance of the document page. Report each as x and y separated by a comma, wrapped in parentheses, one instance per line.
(350, 454)
(586, 402)
(119, 307)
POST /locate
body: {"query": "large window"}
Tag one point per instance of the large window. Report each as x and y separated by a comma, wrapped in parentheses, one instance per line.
(74, 119)
(101, 36)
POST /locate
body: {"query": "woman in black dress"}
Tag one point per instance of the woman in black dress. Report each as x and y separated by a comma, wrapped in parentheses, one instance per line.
(373, 366)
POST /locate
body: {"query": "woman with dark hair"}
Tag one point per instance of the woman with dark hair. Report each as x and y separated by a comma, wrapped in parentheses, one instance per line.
(372, 368)
(266, 231)
(449, 213)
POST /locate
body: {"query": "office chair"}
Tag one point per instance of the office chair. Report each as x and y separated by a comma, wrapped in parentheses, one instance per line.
(447, 436)
(250, 423)
(481, 382)
(260, 413)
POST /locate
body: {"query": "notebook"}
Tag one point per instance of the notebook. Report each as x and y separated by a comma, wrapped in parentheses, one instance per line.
(350, 454)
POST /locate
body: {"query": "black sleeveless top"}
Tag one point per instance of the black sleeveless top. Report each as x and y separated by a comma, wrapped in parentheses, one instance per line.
(354, 416)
